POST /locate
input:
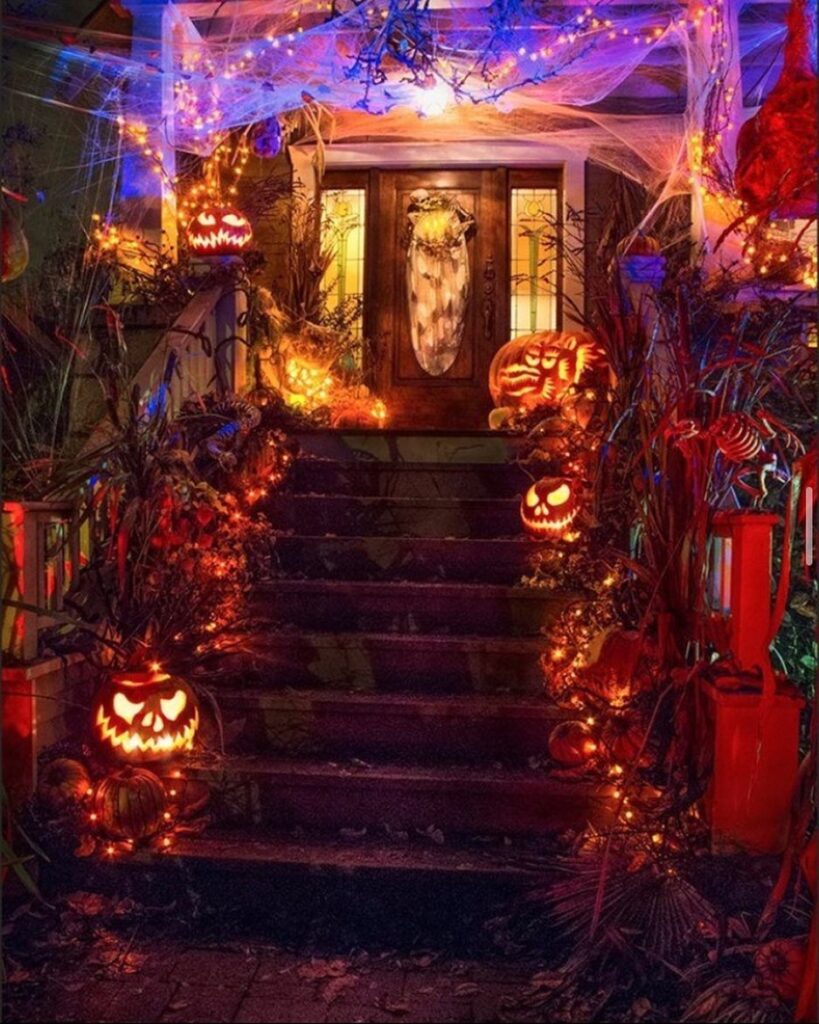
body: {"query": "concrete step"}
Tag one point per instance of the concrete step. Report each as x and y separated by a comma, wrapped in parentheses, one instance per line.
(404, 558)
(357, 515)
(389, 662)
(327, 796)
(408, 479)
(388, 607)
(420, 727)
(464, 446)
(254, 851)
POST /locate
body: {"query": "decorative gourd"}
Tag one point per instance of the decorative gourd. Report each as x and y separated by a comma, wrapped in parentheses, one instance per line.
(360, 414)
(623, 738)
(638, 244)
(571, 744)
(219, 231)
(63, 782)
(550, 507)
(130, 804)
(145, 716)
(539, 369)
(780, 965)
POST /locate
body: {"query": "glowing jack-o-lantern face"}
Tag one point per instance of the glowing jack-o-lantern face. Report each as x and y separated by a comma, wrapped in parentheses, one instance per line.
(146, 716)
(219, 231)
(539, 369)
(550, 507)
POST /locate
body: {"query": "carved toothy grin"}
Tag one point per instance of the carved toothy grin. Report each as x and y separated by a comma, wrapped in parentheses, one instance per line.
(159, 745)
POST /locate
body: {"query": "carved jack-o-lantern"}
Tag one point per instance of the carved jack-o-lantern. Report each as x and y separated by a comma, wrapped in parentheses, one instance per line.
(219, 231)
(146, 716)
(550, 506)
(539, 369)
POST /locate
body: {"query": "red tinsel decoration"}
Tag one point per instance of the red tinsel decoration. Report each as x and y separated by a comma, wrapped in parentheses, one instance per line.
(776, 149)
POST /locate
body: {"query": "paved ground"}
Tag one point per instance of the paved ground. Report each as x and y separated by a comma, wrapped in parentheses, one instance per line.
(255, 984)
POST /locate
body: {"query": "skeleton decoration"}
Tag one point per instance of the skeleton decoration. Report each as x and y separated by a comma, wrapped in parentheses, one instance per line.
(437, 278)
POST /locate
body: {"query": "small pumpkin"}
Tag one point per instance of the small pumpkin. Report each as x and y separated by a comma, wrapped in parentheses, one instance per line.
(571, 744)
(62, 782)
(780, 965)
(145, 716)
(219, 231)
(550, 507)
(623, 738)
(638, 244)
(539, 369)
(130, 804)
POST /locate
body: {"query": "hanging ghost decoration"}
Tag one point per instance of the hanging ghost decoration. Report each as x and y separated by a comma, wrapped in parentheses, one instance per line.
(437, 278)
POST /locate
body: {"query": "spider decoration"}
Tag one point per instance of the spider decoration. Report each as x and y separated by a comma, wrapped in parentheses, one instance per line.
(744, 441)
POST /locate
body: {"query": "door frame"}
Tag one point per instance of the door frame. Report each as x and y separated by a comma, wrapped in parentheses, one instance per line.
(491, 153)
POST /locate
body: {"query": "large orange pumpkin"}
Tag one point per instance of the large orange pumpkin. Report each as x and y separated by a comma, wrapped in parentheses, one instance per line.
(539, 369)
(219, 231)
(145, 716)
(550, 507)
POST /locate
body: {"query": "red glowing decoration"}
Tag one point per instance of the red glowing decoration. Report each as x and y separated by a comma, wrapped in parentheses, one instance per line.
(776, 149)
(550, 507)
(219, 231)
(571, 744)
(130, 804)
(780, 965)
(63, 782)
(146, 716)
(539, 369)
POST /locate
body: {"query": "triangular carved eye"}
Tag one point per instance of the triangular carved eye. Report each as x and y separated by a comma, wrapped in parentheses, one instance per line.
(126, 709)
(531, 497)
(206, 219)
(172, 707)
(559, 496)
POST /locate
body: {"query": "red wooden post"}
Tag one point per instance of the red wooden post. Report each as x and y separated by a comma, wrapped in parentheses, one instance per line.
(754, 730)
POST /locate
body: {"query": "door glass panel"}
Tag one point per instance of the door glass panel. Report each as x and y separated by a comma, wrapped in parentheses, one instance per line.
(533, 260)
(343, 213)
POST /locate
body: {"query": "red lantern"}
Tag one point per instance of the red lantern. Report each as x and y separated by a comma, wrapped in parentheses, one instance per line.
(776, 149)
(550, 507)
(219, 231)
(146, 716)
(571, 744)
(539, 369)
(130, 804)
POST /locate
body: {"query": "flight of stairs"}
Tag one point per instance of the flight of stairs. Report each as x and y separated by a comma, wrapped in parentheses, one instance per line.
(392, 716)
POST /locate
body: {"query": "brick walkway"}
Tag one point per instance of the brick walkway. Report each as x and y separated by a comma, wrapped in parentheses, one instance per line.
(258, 984)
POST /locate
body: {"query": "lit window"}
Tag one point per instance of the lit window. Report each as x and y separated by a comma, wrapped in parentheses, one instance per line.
(533, 265)
(342, 232)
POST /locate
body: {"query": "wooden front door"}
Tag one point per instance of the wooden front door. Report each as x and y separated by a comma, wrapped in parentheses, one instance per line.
(458, 397)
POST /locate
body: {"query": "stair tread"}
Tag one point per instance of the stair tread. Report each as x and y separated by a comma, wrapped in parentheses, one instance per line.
(460, 640)
(246, 849)
(428, 587)
(340, 771)
(474, 704)
(402, 500)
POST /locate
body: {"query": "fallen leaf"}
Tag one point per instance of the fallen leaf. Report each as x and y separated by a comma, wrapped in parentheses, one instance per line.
(466, 988)
(336, 987)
